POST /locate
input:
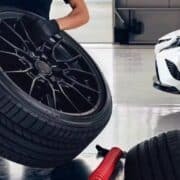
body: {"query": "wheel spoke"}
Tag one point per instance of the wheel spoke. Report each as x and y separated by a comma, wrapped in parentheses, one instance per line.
(10, 53)
(19, 71)
(19, 58)
(16, 34)
(50, 102)
(82, 85)
(65, 53)
(79, 71)
(54, 48)
(16, 49)
(67, 97)
(75, 58)
(53, 92)
(45, 46)
(79, 93)
(33, 84)
(9, 43)
(57, 44)
(27, 34)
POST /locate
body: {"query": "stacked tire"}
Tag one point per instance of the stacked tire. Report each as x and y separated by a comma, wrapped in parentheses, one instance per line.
(156, 159)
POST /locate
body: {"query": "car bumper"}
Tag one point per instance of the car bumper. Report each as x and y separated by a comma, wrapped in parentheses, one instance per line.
(170, 89)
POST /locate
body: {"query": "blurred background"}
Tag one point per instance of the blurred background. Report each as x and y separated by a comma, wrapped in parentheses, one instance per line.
(124, 21)
(100, 27)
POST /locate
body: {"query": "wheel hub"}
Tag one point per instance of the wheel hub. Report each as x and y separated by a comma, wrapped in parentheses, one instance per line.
(43, 67)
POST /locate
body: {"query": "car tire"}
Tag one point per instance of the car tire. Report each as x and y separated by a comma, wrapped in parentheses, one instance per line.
(33, 131)
(156, 159)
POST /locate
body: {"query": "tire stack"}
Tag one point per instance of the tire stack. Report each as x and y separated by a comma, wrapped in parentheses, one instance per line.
(156, 159)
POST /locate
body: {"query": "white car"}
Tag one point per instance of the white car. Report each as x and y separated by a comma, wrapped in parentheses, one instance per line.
(167, 52)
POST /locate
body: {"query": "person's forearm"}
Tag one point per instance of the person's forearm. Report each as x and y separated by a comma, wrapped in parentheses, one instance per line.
(73, 20)
(77, 17)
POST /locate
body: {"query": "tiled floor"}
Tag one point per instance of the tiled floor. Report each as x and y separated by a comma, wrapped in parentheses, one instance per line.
(139, 112)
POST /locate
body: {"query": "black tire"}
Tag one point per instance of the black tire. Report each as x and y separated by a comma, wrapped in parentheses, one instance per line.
(37, 133)
(156, 159)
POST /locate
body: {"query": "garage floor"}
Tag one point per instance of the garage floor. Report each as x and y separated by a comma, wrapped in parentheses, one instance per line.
(139, 112)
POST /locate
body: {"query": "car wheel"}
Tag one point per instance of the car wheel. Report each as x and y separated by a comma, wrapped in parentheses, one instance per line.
(53, 98)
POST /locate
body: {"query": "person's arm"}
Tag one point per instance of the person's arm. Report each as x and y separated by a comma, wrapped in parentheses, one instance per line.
(77, 17)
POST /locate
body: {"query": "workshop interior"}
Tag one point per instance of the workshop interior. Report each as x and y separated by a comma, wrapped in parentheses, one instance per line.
(97, 102)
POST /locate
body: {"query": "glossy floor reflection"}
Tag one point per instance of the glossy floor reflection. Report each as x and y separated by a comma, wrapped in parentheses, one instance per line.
(78, 169)
(139, 112)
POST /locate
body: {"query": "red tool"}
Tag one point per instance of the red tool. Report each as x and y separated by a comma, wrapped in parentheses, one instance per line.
(108, 165)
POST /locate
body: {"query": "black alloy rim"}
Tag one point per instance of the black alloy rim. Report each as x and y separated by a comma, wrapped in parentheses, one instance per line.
(53, 73)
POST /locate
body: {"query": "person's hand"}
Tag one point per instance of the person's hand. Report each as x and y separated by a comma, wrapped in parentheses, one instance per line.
(45, 29)
(41, 30)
